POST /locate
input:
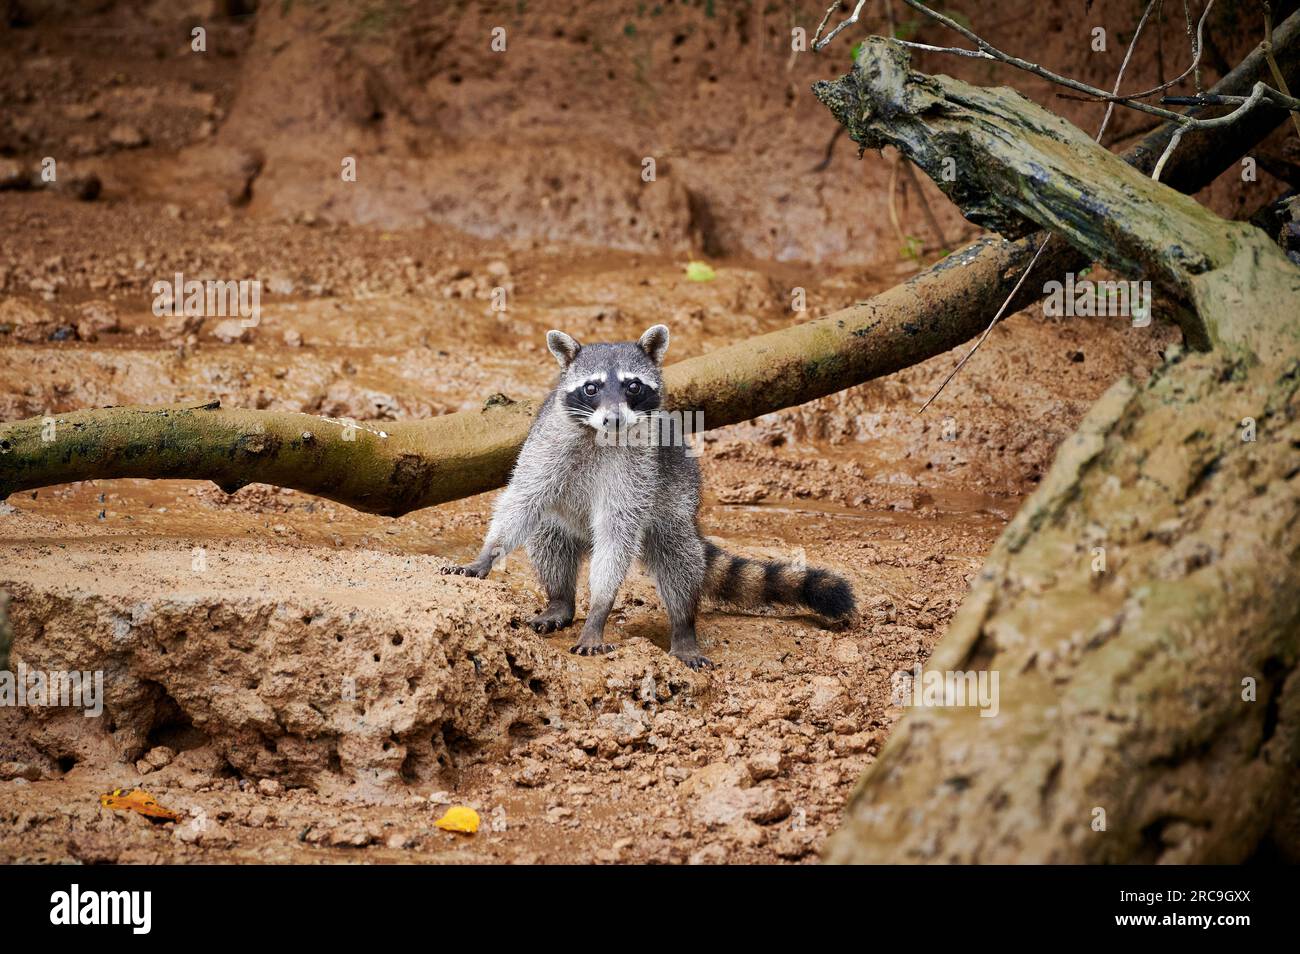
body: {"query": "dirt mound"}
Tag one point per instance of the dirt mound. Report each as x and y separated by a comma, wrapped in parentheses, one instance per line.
(325, 682)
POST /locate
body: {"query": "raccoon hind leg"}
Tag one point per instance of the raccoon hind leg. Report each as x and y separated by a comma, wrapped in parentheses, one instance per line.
(555, 554)
(674, 555)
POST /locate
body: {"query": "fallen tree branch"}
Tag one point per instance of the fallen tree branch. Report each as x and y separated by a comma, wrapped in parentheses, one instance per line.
(1019, 167)
(1140, 615)
(1261, 94)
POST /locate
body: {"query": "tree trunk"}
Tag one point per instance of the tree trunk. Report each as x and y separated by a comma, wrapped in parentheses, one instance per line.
(1136, 629)
(398, 467)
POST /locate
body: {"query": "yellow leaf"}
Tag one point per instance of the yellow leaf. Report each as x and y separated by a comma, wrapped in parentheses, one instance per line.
(137, 800)
(700, 272)
(459, 818)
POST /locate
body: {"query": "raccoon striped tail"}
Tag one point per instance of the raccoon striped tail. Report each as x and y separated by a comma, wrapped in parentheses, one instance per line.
(739, 581)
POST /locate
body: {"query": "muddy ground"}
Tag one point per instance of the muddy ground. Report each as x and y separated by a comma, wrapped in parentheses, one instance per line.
(234, 620)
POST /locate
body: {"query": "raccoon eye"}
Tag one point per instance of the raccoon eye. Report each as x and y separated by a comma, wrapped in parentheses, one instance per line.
(589, 389)
(634, 387)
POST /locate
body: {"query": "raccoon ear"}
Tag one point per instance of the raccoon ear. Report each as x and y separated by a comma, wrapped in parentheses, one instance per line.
(655, 343)
(563, 347)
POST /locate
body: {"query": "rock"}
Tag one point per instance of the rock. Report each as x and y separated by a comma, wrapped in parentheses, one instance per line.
(258, 816)
(745, 494)
(126, 136)
(22, 770)
(232, 330)
(715, 775)
(827, 695)
(180, 327)
(348, 835)
(82, 144)
(269, 787)
(201, 831)
(768, 764)
(531, 774)
(846, 651)
(402, 840)
(854, 744)
(97, 318)
(746, 833)
(292, 338)
(793, 845)
(627, 727)
(26, 322)
(728, 804)
(211, 836)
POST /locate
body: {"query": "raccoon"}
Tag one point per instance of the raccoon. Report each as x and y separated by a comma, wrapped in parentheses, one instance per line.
(578, 490)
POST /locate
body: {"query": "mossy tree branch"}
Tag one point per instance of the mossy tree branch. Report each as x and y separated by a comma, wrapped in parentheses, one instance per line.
(1140, 611)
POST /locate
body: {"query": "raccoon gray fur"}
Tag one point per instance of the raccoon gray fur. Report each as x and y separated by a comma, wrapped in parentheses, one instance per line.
(574, 492)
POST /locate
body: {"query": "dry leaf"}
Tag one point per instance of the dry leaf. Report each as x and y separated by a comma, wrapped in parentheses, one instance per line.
(459, 818)
(137, 800)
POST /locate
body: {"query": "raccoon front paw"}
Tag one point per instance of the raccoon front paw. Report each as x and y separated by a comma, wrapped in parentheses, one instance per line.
(549, 620)
(475, 570)
(591, 647)
(696, 661)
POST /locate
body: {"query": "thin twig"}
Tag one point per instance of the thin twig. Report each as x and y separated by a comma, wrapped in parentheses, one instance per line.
(1128, 55)
(1267, 95)
(1261, 93)
(991, 52)
(955, 50)
(1187, 13)
(818, 44)
(1257, 96)
(996, 318)
(1197, 47)
(830, 150)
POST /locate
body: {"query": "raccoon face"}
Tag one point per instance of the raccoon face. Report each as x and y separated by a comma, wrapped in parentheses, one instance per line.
(610, 387)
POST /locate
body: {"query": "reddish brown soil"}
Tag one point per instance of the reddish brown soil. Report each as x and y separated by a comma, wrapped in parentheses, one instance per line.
(375, 308)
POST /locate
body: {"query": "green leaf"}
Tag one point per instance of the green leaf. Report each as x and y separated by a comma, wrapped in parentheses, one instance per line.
(700, 272)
